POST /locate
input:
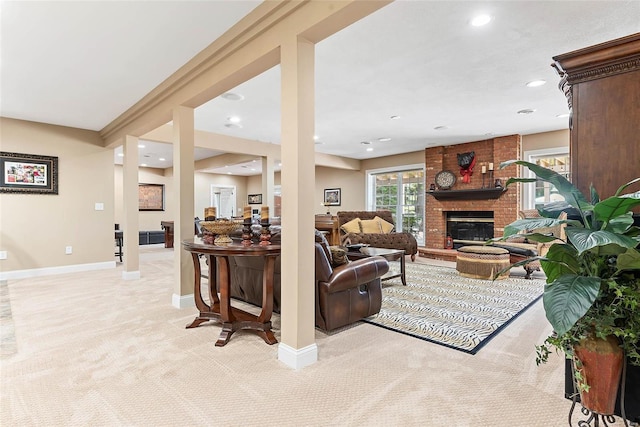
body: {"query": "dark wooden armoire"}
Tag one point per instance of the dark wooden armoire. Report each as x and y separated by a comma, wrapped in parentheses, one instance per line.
(602, 85)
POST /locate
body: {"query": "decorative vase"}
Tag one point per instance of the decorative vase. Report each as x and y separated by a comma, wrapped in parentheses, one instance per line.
(221, 229)
(599, 362)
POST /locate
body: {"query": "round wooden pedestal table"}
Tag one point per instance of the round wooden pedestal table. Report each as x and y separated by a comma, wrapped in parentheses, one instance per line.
(220, 308)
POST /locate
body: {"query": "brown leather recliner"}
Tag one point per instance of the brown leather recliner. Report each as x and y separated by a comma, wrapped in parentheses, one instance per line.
(392, 240)
(344, 294)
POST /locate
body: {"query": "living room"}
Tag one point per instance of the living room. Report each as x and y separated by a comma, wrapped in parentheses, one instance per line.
(87, 174)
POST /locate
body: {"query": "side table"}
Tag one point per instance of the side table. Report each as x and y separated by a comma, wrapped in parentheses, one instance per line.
(388, 254)
(220, 308)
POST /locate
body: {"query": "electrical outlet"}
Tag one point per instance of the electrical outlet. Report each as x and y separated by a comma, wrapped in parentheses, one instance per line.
(3, 254)
(68, 250)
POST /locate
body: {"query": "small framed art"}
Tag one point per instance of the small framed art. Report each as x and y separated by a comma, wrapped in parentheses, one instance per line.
(151, 197)
(332, 196)
(254, 199)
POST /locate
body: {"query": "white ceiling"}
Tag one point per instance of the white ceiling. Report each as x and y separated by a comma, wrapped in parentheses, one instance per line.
(81, 64)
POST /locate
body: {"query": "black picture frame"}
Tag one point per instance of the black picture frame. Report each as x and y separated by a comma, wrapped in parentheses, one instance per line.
(151, 197)
(28, 173)
(254, 199)
(332, 196)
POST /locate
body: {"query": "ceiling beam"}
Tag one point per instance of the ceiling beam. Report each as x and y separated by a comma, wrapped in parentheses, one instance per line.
(249, 48)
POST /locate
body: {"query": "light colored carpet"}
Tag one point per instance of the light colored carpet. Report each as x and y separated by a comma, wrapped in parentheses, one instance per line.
(94, 350)
(441, 306)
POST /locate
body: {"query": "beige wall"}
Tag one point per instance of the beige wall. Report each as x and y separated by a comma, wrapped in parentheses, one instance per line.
(150, 220)
(538, 141)
(87, 176)
(203, 183)
(34, 229)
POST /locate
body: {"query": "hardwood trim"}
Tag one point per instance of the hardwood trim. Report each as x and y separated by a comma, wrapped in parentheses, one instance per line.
(605, 59)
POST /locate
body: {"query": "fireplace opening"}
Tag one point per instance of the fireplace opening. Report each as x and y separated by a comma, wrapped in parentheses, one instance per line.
(466, 227)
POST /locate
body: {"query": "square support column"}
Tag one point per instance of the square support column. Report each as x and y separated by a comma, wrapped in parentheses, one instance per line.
(268, 180)
(131, 212)
(183, 209)
(298, 348)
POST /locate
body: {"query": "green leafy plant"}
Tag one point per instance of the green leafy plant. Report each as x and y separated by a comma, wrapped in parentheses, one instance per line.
(593, 279)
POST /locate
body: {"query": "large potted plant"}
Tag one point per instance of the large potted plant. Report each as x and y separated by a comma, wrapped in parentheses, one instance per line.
(592, 294)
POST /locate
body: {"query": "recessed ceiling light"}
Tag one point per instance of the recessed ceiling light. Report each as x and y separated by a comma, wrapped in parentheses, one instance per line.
(385, 139)
(316, 137)
(234, 119)
(440, 128)
(527, 111)
(370, 149)
(162, 159)
(120, 154)
(253, 169)
(280, 164)
(231, 96)
(229, 173)
(536, 83)
(563, 116)
(481, 20)
(140, 145)
(144, 165)
(394, 117)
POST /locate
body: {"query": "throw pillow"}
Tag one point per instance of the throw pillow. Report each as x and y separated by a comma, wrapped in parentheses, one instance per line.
(352, 226)
(370, 226)
(338, 256)
(386, 226)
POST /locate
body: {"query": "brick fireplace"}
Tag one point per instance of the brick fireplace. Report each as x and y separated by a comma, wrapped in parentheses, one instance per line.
(503, 206)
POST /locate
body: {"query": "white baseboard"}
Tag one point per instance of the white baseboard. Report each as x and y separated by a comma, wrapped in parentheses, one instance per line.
(182, 301)
(131, 275)
(297, 358)
(48, 271)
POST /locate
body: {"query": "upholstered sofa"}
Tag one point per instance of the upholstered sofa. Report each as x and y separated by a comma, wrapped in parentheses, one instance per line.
(344, 294)
(388, 238)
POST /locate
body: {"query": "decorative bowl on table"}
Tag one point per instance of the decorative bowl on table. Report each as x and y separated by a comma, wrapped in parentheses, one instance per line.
(221, 229)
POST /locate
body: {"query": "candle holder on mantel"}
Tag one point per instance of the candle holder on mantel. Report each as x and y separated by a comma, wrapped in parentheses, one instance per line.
(265, 234)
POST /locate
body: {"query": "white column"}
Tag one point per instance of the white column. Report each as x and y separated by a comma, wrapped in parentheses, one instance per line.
(268, 179)
(297, 348)
(131, 225)
(183, 209)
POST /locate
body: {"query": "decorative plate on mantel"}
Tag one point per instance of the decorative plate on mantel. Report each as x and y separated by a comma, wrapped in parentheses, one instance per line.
(445, 179)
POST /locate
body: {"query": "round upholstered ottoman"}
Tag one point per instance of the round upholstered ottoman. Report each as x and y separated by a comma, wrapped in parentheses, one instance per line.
(482, 262)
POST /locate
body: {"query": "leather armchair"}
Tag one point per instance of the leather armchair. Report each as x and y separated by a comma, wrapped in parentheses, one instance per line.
(393, 240)
(347, 293)
(344, 294)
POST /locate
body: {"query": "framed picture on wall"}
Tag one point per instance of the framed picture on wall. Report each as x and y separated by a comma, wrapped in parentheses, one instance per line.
(254, 199)
(151, 197)
(332, 197)
(28, 173)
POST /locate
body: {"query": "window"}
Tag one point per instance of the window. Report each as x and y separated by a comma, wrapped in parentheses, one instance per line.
(540, 193)
(400, 191)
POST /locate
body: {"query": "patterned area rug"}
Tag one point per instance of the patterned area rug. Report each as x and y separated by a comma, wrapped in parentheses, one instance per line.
(440, 306)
